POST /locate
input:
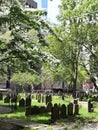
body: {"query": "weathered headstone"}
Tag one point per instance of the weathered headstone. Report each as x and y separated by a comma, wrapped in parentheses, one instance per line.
(63, 96)
(49, 107)
(28, 101)
(43, 98)
(63, 111)
(55, 112)
(28, 111)
(39, 98)
(7, 99)
(75, 101)
(42, 109)
(70, 109)
(1, 96)
(14, 102)
(22, 103)
(76, 109)
(48, 99)
(36, 96)
(90, 106)
(35, 110)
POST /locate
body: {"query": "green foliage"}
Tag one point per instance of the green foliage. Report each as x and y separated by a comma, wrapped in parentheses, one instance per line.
(20, 47)
(76, 42)
(26, 79)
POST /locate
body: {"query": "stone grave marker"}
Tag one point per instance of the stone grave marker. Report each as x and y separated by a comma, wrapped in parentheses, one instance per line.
(63, 111)
(43, 98)
(7, 99)
(76, 109)
(49, 107)
(28, 111)
(35, 110)
(70, 109)
(48, 99)
(39, 98)
(28, 101)
(55, 112)
(42, 109)
(1, 96)
(22, 103)
(90, 106)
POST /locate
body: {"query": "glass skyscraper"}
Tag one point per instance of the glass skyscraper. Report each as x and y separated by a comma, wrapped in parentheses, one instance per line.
(42, 4)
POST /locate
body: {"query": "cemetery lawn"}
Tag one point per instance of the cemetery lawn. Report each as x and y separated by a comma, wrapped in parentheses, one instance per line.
(83, 116)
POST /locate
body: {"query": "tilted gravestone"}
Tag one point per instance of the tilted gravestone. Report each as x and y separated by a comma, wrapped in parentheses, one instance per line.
(1, 96)
(42, 109)
(22, 103)
(14, 99)
(43, 98)
(70, 109)
(39, 98)
(28, 111)
(63, 96)
(28, 101)
(35, 110)
(14, 102)
(55, 112)
(76, 109)
(90, 106)
(75, 101)
(48, 99)
(63, 111)
(7, 99)
(49, 107)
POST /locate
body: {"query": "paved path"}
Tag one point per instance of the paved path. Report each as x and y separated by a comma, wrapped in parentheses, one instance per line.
(4, 110)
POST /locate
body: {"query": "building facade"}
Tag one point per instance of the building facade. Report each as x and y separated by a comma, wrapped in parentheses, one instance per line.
(42, 4)
(51, 8)
(31, 4)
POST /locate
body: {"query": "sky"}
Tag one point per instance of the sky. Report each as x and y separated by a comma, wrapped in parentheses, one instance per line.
(52, 9)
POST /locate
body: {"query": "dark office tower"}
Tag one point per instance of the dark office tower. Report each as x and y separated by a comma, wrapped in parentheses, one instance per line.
(31, 4)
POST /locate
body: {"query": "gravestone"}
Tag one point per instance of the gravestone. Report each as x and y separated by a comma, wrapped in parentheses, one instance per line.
(90, 106)
(1, 96)
(76, 109)
(48, 99)
(28, 111)
(14, 102)
(7, 99)
(22, 103)
(70, 109)
(43, 98)
(63, 111)
(28, 101)
(63, 96)
(14, 99)
(39, 98)
(49, 107)
(55, 112)
(35, 110)
(75, 101)
(42, 109)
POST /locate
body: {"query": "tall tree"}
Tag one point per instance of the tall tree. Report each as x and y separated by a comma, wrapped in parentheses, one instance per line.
(19, 51)
(77, 34)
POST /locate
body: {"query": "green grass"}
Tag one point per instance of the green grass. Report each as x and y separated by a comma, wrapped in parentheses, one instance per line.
(83, 116)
